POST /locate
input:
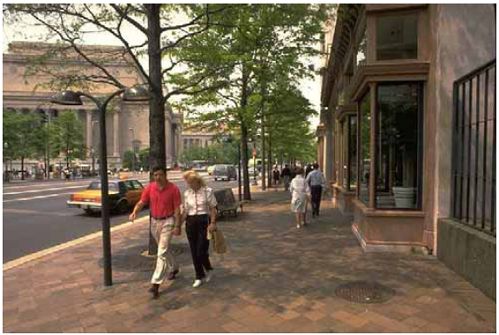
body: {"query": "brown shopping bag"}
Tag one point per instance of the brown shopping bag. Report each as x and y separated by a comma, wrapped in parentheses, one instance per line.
(218, 241)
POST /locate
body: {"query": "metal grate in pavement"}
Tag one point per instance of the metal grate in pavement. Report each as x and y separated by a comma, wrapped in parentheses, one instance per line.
(364, 292)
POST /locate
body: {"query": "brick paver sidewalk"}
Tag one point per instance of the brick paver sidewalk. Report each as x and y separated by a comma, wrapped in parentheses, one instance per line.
(275, 278)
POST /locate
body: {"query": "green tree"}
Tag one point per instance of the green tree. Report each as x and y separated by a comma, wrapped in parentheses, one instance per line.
(144, 158)
(19, 135)
(47, 142)
(248, 42)
(69, 137)
(128, 158)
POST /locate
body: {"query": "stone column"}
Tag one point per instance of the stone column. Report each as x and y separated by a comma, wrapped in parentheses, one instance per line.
(328, 150)
(89, 139)
(116, 134)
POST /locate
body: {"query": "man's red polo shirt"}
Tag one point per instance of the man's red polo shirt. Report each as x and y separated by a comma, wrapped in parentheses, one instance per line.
(162, 202)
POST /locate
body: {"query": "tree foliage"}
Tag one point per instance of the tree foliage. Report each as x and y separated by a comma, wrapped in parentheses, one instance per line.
(259, 47)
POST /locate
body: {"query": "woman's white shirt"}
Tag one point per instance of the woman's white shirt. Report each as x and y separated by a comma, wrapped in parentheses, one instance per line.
(299, 188)
(199, 202)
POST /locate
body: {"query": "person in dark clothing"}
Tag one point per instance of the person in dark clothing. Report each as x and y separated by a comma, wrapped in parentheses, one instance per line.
(276, 174)
(286, 176)
(308, 169)
(317, 183)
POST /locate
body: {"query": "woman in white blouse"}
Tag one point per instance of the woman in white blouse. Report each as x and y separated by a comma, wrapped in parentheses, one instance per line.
(300, 192)
(200, 215)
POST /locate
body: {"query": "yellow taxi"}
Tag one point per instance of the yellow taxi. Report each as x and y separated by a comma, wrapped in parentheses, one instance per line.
(123, 195)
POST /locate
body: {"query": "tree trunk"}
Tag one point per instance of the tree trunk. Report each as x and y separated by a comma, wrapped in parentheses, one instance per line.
(264, 165)
(244, 135)
(22, 167)
(157, 140)
(271, 163)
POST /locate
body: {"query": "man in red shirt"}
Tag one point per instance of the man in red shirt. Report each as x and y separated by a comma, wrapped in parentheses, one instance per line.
(164, 201)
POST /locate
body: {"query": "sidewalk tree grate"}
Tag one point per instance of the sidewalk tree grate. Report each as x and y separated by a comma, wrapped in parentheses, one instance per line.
(364, 292)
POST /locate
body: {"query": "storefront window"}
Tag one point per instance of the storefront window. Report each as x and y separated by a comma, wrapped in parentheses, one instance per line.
(352, 152)
(398, 145)
(365, 154)
(397, 37)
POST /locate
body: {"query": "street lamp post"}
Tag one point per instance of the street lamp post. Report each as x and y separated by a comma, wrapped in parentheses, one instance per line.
(138, 93)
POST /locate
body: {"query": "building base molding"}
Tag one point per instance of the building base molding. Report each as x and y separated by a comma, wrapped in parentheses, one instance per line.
(388, 230)
(344, 200)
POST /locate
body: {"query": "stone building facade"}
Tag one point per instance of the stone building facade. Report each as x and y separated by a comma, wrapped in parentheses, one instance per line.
(407, 133)
(127, 123)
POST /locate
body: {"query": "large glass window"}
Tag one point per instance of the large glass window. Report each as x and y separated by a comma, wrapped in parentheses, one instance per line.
(398, 145)
(397, 37)
(365, 154)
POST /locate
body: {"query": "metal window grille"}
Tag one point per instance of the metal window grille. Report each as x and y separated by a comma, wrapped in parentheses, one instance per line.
(474, 149)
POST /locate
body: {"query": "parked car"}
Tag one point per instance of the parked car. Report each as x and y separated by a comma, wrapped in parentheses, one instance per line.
(199, 166)
(123, 194)
(224, 172)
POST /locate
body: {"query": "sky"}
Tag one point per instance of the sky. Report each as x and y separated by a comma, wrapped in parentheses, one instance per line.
(310, 88)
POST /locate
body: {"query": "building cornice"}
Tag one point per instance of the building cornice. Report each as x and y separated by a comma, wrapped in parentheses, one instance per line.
(343, 110)
(399, 71)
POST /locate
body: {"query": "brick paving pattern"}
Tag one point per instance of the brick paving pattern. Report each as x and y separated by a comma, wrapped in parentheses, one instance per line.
(275, 278)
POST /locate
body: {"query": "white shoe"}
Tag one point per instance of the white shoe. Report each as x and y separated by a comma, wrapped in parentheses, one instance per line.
(298, 226)
(197, 283)
(208, 276)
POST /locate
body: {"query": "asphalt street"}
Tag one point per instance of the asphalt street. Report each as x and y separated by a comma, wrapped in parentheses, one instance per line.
(35, 215)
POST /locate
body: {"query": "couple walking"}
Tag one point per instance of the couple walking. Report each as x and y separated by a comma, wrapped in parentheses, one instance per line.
(198, 213)
(304, 188)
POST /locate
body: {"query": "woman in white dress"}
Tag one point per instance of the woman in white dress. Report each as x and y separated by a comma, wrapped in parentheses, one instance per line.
(300, 192)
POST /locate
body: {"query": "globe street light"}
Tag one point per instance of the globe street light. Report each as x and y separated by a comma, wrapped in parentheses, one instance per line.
(71, 98)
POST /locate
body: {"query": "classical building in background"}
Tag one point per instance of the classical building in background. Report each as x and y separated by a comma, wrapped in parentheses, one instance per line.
(196, 137)
(127, 123)
(408, 130)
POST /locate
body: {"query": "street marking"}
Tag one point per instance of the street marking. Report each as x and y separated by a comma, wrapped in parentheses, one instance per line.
(39, 254)
(38, 197)
(43, 190)
(27, 211)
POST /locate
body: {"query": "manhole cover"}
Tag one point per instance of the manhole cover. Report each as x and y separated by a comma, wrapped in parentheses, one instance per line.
(364, 292)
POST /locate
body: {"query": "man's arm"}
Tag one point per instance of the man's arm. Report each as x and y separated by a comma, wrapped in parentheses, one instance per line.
(138, 207)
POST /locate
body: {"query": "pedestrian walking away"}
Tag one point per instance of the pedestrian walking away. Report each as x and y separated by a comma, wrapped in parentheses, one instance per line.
(308, 169)
(276, 175)
(164, 201)
(200, 215)
(300, 192)
(317, 183)
(286, 176)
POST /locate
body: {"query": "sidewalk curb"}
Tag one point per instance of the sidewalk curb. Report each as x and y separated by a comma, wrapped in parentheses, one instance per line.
(42, 253)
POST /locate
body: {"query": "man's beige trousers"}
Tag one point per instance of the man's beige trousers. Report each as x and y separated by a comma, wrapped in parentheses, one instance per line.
(163, 232)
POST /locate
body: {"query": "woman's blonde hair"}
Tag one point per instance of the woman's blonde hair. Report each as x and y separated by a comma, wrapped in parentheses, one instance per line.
(194, 178)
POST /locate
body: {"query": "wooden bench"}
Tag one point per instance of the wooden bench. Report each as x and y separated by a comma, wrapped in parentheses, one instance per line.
(226, 202)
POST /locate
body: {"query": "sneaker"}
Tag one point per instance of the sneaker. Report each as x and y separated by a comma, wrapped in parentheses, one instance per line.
(197, 283)
(298, 226)
(209, 275)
